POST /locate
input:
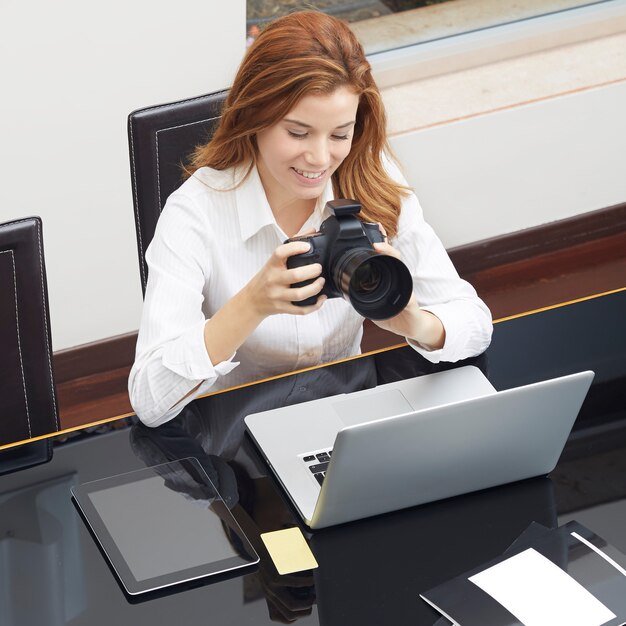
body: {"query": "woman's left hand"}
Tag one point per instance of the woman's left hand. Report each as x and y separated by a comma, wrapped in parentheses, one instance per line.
(412, 322)
(400, 323)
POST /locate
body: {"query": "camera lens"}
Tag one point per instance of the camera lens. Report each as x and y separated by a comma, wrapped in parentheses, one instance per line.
(367, 279)
(377, 285)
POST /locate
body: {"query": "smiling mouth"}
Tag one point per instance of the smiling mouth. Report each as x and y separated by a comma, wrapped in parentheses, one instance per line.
(309, 175)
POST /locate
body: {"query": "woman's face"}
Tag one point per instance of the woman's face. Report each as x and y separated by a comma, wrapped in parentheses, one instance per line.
(298, 155)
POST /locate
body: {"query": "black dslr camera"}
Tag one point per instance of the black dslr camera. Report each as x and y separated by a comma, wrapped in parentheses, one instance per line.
(378, 286)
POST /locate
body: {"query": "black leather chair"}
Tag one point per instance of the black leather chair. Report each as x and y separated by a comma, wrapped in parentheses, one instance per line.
(160, 139)
(28, 406)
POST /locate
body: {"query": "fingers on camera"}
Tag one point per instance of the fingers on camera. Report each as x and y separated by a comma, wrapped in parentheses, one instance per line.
(305, 272)
(307, 291)
(310, 308)
(292, 248)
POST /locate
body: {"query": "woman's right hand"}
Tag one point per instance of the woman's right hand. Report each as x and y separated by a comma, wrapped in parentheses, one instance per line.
(270, 292)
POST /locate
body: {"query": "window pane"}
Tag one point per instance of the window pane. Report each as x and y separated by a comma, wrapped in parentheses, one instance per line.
(386, 24)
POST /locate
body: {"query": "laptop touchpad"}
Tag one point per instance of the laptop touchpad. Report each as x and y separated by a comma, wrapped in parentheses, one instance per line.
(371, 407)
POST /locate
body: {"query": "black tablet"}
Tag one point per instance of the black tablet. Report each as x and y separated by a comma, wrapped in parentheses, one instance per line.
(163, 525)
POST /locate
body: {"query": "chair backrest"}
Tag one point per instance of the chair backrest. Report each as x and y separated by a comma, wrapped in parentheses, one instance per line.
(28, 405)
(160, 139)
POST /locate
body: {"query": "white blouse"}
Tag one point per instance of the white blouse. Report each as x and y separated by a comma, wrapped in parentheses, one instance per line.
(211, 240)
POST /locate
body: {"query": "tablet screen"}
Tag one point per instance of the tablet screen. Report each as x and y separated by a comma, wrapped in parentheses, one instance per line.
(163, 525)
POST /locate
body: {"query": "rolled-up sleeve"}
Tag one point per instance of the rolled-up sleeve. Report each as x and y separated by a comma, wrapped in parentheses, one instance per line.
(172, 365)
(438, 287)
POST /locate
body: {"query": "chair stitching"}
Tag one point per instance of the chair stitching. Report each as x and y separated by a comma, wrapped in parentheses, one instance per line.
(45, 324)
(132, 154)
(19, 343)
(137, 214)
(21, 221)
(160, 130)
(169, 104)
(158, 169)
(29, 220)
(207, 119)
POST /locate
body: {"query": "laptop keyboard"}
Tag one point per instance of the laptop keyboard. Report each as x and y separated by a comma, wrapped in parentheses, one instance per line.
(317, 463)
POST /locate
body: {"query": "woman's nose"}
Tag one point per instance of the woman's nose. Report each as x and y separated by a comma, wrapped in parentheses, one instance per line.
(318, 153)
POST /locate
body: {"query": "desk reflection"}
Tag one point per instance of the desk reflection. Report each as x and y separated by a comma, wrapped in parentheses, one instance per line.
(418, 547)
(371, 571)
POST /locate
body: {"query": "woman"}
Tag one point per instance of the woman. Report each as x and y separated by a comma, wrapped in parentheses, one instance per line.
(303, 124)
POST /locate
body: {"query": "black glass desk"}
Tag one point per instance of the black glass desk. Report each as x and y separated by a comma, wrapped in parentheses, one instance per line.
(372, 571)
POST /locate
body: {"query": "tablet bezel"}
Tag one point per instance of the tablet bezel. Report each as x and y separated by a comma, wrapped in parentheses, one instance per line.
(81, 496)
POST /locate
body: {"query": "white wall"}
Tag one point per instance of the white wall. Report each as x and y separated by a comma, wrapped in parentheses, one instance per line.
(521, 167)
(71, 73)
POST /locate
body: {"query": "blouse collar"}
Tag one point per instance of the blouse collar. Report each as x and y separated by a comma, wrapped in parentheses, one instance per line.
(255, 213)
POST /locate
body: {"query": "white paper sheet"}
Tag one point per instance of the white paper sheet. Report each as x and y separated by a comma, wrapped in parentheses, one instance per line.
(539, 593)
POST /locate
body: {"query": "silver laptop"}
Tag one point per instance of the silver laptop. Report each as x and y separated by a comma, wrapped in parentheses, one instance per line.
(414, 441)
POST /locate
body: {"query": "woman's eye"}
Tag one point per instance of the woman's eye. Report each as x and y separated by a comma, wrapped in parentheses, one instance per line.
(341, 137)
(297, 135)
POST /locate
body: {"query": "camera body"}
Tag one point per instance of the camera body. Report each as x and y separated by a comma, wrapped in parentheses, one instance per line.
(378, 286)
(338, 234)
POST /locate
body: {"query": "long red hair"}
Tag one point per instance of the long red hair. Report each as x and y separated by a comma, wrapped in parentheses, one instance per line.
(308, 52)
